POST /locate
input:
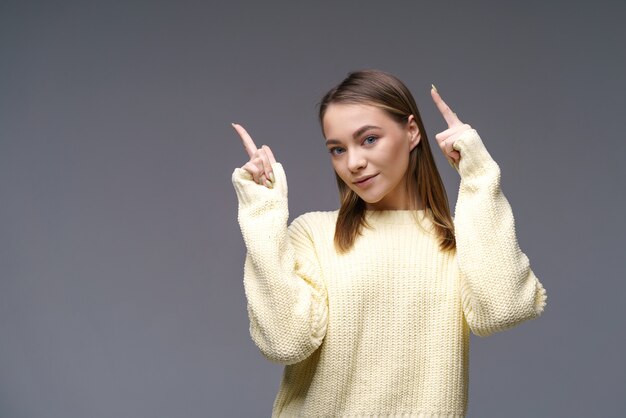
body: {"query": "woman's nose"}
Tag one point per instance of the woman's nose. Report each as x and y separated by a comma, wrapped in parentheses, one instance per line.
(356, 161)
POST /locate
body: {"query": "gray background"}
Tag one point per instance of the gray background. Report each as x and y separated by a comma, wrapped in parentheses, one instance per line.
(121, 259)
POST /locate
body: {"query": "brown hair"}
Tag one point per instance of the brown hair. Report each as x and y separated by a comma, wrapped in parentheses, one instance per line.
(383, 90)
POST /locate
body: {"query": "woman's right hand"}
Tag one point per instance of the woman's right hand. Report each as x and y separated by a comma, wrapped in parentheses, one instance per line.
(261, 159)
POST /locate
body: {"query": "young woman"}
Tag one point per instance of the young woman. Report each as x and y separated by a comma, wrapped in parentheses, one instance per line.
(369, 307)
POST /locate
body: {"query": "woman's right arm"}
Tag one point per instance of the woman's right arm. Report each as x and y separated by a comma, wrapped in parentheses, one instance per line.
(287, 299)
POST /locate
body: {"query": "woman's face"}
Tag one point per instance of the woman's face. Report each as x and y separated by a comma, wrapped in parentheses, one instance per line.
(365, 142)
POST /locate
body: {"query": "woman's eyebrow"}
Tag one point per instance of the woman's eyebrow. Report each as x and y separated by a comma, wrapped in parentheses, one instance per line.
(355, 135)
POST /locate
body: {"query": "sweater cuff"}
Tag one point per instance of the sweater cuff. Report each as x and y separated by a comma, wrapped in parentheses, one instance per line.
(249, 191)
(475, 159)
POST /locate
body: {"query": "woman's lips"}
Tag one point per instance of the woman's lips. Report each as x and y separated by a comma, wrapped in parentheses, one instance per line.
(366, 182)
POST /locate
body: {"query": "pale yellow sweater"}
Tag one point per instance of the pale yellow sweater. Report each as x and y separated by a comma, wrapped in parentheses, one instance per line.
(382, 331)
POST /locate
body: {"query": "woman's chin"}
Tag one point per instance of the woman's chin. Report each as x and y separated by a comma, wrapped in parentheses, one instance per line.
(370, 198)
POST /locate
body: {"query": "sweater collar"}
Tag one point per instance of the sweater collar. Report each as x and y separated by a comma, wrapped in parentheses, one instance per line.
(395, 217)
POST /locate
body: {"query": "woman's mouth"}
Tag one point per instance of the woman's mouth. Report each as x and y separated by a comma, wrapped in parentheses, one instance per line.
(367, 182)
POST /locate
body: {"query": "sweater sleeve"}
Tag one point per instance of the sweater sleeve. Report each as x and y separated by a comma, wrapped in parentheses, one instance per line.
(286, 295)
(499, 290)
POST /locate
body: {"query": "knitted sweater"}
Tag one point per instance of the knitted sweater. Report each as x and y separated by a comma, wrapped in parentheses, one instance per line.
(382, 330)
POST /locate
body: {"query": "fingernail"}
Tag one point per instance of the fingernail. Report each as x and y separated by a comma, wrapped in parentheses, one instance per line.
(434, 88)
(272, 177)
(269, 184)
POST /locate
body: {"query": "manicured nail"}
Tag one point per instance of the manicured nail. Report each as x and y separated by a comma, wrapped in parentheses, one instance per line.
(434, 88)
(269, 184)
(272, 177)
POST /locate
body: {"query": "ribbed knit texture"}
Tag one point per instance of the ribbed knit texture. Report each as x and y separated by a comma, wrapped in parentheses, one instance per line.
(382, 331)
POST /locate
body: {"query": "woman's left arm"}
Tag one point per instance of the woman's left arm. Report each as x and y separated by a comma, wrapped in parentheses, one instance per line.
(499, 290)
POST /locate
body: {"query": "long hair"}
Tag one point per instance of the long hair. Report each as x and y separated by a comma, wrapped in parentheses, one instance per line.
(383, 90)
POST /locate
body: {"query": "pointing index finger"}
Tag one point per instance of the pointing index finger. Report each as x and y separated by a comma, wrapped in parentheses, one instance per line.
(248, 143)
(447, 113)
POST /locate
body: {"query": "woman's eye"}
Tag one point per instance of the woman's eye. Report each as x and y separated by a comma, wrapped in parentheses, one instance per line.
(370, 139)
(334, 149)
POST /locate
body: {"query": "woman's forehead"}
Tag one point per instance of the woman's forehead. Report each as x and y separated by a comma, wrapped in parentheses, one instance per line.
(343, 119)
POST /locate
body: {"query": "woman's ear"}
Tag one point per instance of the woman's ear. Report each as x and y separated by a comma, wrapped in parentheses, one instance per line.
(414, 133)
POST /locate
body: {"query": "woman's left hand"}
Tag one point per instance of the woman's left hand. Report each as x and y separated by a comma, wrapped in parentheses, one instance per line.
(448, 137)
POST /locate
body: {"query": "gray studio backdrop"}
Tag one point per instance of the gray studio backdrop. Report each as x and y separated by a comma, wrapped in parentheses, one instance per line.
(121, 260)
